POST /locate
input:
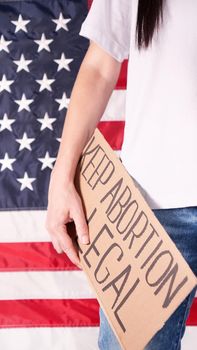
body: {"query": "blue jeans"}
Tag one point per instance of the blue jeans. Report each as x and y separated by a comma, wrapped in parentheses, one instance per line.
(181, 225)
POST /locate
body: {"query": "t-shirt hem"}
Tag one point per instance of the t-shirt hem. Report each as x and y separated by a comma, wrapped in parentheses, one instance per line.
(170, 203)
(103, 41)
(164, 201)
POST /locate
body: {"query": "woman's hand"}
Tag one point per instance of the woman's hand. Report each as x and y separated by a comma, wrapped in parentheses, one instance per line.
(93, 87)
(64, 205)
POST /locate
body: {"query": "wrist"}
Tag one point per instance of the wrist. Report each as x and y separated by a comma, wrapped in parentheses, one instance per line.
(63, 173)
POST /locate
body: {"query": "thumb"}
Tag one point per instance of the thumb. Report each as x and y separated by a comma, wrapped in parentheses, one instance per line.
(81, 225)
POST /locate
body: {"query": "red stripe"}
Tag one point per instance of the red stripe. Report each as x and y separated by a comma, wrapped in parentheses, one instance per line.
(192, 319)
(89, 3)
(113, 132)
(49, 313)
(32, 256)
(122, 80)
(58, 313)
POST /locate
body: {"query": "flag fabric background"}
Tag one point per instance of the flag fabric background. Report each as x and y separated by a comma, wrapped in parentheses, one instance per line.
(45, 301)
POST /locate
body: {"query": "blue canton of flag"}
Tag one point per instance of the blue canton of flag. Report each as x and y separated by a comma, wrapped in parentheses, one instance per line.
(40, 55)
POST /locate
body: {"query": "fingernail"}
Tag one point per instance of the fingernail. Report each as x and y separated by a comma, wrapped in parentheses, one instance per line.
(84, 239)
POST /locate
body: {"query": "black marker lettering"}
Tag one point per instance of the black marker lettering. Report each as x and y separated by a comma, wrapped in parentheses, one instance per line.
(123, 302)
(135, 208)
(122, 275)
(113, 193)
(171, 278)
(138, 225)
(112, 247)
(152, 254)
(154, 263)
(93, 247)
(105, 174)
(148, 239)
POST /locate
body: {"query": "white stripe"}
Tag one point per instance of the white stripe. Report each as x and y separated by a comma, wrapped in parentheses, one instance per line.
(45, 285)
(118, 153)
(49, 338)
(66, 338)
(23, 226)
(115, 109)
(190, 339)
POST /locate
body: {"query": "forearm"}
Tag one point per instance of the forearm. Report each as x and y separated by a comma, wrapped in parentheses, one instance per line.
(88, 101)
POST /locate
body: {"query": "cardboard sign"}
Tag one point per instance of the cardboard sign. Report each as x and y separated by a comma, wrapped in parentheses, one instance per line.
(136, 270)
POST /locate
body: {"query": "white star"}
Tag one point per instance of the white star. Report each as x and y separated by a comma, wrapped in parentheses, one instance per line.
(45, 83)
(6, 123)
(4, 44)
(47, 161)
(25, 142)
(26, 182)
(58, 139)
(63, 102)
(7, 162)
(61, 22)
(22, 63)
(23, 103)
(63, 62)
(5, 84)
(46, 122)
(43, 43)
(20, 24)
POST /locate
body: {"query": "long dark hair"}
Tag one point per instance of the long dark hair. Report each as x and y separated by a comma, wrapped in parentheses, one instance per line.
(150, 14)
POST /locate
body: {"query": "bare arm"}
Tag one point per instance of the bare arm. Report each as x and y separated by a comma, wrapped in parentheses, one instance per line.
(94, 84)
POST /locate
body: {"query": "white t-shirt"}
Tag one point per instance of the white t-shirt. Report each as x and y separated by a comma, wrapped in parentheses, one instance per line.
(160, 138)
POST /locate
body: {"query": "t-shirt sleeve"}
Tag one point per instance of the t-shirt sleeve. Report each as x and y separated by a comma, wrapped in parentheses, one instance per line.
(108, 24)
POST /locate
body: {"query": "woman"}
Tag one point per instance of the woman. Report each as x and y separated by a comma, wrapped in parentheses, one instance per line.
(160, 144)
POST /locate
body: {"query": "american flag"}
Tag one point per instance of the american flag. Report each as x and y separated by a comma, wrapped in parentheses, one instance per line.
(45, 301)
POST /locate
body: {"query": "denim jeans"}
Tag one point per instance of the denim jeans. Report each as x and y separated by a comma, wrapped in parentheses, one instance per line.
(181, 225)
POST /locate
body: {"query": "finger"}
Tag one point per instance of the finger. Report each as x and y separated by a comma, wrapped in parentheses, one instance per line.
(54, 241)
(81, 225)
(56, 245)
(67, 245)
(70, 220)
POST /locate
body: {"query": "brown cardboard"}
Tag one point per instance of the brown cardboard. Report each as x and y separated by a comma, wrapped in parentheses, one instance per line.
(136, 270)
